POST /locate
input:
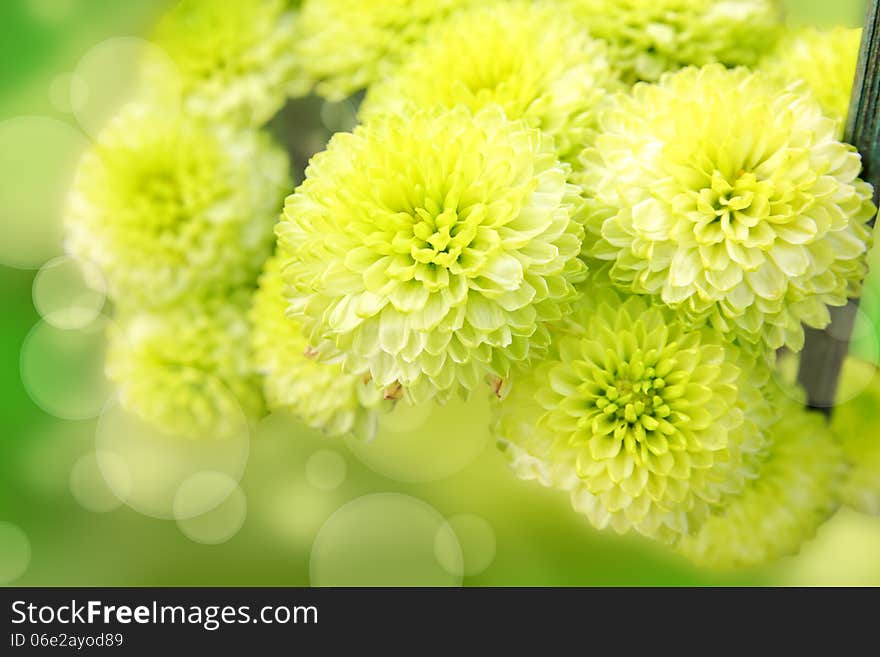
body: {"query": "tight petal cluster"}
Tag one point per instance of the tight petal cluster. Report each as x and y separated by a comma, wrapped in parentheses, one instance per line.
(169, 208)
(824, 60)
(429, 250)
(650, 37)
(730, 199)
(617, 216)
(794, 493)
(294, 379)
(650, 424)
(531, 59)
(234, 59)
(187, 369)
(346, 45)
(855, 424)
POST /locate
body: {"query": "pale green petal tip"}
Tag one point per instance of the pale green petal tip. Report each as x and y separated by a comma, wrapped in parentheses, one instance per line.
(430, 249)
(187, 369)
(532, 59)
(731, 199)
(170, 209)
(796, 490)
(296, 380)
(649, 423)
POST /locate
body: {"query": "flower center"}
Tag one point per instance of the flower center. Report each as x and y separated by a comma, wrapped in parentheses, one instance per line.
(635, 398)
(440, 235)
(161, 185)
(433, 238)
(731, 210)
(159, 197)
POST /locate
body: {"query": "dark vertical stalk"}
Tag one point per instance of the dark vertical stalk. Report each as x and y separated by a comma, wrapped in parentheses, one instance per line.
(825, 351)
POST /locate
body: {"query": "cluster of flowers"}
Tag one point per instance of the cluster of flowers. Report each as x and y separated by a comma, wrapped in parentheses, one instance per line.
(609, 214)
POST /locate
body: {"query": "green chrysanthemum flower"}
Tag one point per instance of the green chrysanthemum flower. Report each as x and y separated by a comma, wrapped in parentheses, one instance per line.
(531, 59)
(794, 493)
(855, 424)
(429, 249)
(346, 45)
(187, 369)
(168, 208)
(650, 37)
(730, 199)
(318, 392)
(826, 61)
(234, 59)
(650, 424)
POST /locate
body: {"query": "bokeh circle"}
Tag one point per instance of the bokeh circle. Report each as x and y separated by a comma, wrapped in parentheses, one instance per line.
(63, 371)
(158, 462)
(386, 539)
(426, 445)
(90, 489)
(69, 293)
(210, 507)
(68, 93)
(326, 469)
(111, 72)
(15, 552)
(38, 156)
(477, 540)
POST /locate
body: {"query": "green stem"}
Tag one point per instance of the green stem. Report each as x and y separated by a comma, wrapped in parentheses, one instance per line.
(825, 351)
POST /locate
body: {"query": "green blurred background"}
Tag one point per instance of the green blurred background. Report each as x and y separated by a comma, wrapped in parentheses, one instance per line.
(308, 509)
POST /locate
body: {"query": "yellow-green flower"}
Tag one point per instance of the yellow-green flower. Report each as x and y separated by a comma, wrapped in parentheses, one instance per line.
(187, 369)
(794, 493)
(169, 208)
(855, 424)
(650, 37)
(234, 59)
(824, 60)
(296, 380)
(532, 59)
(429, 250)
(346, 45)
(730, 199)
(649, 423)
